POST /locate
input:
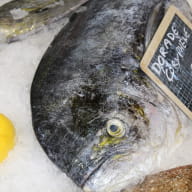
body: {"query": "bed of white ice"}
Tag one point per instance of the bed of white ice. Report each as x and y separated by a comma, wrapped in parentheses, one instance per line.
(27, 168)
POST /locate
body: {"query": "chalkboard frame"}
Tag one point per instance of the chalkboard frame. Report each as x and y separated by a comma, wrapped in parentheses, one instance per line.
(152, 48)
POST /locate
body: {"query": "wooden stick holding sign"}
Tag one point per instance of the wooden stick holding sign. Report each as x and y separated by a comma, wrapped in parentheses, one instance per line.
(168, 59)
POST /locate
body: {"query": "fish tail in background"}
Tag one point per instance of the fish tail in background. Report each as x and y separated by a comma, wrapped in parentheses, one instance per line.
(20, 17)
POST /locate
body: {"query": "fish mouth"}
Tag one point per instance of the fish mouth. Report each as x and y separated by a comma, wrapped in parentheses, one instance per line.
(91, 174)
(85, 174)
(90, 181)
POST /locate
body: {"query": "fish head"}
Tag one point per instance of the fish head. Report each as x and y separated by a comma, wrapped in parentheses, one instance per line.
(121, 131)
(104, 128)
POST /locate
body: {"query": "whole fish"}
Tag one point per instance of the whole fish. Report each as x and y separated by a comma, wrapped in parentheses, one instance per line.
(20, 17)
(95, 113)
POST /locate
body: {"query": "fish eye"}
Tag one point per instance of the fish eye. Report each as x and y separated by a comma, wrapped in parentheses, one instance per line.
(115, 128)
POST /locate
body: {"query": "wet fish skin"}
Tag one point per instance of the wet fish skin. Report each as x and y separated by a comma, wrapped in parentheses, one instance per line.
(20, 17)
(89, 76)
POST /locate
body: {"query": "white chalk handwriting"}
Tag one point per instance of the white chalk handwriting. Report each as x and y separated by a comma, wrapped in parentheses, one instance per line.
(174, 43)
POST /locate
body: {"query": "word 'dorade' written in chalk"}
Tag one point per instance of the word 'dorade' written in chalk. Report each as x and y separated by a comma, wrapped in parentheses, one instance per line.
(168, 59)
(176, 43)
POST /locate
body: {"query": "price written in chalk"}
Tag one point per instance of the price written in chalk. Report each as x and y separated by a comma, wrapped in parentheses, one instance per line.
(168, 59)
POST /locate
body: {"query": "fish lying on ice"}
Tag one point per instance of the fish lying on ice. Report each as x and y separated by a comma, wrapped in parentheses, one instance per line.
(95, 113)
(20, 17)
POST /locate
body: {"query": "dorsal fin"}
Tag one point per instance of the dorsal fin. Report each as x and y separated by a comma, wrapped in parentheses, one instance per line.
(153, 22)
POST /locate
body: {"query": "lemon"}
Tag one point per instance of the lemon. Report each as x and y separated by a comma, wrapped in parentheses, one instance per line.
(7, 136)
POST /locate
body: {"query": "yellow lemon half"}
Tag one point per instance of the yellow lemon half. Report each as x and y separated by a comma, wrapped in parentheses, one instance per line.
(7, 136)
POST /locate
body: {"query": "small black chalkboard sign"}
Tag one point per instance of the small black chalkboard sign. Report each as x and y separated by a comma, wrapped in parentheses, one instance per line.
(168, 59)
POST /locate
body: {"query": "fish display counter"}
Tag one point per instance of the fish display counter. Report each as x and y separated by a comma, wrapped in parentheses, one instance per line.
(86, 117)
